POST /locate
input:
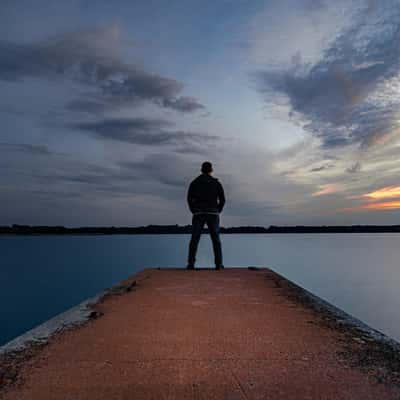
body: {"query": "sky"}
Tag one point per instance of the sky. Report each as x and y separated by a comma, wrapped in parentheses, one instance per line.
(108, 109)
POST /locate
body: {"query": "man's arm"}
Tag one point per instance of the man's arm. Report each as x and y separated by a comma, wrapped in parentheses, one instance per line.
(221, 197)
(189, 198)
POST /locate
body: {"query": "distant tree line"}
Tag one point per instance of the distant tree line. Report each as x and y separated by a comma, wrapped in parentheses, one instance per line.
(176, 229)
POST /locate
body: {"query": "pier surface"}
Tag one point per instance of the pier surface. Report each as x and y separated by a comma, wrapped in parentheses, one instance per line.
(202, 334)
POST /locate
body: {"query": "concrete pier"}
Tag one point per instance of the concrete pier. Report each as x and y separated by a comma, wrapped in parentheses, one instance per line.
(233, 334)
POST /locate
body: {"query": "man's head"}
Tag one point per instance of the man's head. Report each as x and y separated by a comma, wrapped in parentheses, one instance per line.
(206, 167)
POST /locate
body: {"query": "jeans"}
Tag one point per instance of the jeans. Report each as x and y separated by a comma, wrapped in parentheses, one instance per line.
(198, 221)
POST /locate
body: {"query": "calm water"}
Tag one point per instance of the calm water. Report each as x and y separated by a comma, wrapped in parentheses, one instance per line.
(42, 276)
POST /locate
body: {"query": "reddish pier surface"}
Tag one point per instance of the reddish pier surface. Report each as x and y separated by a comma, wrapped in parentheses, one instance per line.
(202, 334)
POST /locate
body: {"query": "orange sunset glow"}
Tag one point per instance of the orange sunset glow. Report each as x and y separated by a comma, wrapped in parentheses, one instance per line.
(326, 189)
(387, 205)
(384, 193)
(387, 192)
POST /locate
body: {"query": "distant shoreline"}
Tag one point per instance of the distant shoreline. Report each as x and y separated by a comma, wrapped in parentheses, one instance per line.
(186, 229)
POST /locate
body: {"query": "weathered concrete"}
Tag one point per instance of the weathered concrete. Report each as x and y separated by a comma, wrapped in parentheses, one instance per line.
(209, 334)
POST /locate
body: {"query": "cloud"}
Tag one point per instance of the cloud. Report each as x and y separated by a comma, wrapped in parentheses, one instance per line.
(167, 169)
(326, 189)
(387, 205)
(349, 96)
(25, 148)
(384, 193)
(373, 200)
(321, 168)
(184, 104)
(145, 131)
(91, 58)
(356, 167)
(89, 106)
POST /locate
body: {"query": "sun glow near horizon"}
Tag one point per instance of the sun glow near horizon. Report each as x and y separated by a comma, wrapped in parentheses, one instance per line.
(387, 192)
(383, 193)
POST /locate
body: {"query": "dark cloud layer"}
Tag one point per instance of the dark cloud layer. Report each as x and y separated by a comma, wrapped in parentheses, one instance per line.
(321, 168)
(25, 148)
(142, 131)
(184, 104)
(90, 58)
(348, 97)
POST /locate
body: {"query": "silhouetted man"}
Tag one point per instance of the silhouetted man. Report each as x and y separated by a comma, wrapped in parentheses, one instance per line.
(206, 200)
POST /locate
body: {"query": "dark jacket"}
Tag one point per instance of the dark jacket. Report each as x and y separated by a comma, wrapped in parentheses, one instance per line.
(205, 194)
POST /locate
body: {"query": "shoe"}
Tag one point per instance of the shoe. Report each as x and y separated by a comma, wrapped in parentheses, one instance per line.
(189, 266)
(218, 267)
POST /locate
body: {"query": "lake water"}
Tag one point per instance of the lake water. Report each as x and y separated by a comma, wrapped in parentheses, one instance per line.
(41, 276)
